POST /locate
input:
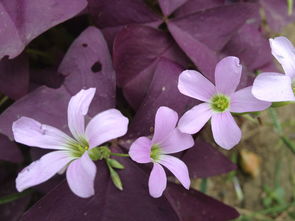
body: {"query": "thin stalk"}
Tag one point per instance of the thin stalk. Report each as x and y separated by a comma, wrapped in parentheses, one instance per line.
(120, 154)
(14, 196)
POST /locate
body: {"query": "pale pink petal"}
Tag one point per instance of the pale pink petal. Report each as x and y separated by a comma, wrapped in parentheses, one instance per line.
(41, 170)
(283, 50)
(244, 101)
(32, 133)
(140, 150)
(77, 109)
(227, 75)
(80, 176)
(273, 87)
(105, 126)
(193, 84)
(157, 181)
(176, 142)
(178, 168)
(165, 122)
(193, 120)
(225, 130)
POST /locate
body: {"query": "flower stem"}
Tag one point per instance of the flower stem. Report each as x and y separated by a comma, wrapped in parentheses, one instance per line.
(120, 154)
(14, 196)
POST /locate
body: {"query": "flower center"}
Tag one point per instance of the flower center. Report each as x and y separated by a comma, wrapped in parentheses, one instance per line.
(220, 103)
(155, 152)
(78, 148)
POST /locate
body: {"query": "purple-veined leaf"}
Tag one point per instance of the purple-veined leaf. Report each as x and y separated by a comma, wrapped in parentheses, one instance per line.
(21, 23)
(202, 56)
(112, 15)
(108, 203)
(12, 211)
(14, 76)
(203, 160)
(196, 206)
(137, 50)
(86, 64)
(9, 150)
(162, 91)
(192, 6)
(169, 6)
(204, 33)
(214, 27)
(247, 41)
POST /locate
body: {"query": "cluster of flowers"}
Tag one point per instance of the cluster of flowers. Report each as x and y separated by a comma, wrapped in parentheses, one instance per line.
(170, 135)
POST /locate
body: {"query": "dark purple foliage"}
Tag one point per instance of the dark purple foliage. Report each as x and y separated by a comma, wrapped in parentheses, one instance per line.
(14, 76)
(12, 211)
(112, 15)
(77, 66)
(9, 150)
(137, 50)
(23, 21)
(186, 204)
(200, 157)
(169, 6)
(162, 91)
(112, 204)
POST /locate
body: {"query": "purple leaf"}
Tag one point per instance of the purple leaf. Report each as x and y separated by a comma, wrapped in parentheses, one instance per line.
(196, 206)
(247, 41)
(192, 6)
(277, 13)
(169, 6)
(112, 15)
(203, 33)
(108, 203)
(163, 91)
(203, 160)
(14, 77)
(203, 57)
(46, 76)
(86, 64)
(9, 150)
(214, 27)
(21, 23)
(137, 50)
(12, 211)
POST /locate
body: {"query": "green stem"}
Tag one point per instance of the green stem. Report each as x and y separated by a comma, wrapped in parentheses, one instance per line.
(279, 130)
(203, 185)
(276, 123)
(120, 154)
(290, 7)
(3, 100)
(14, 196)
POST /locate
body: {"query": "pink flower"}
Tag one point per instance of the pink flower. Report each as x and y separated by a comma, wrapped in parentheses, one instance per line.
(219, 101)
(166, 140)
(71, 153)
(275, 87)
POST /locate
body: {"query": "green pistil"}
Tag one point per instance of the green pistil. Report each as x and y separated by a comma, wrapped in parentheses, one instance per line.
(155, 152)
(220, 103)
(78, 148)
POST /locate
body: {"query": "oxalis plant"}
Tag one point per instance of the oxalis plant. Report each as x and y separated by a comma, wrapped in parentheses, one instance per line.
(103, 103)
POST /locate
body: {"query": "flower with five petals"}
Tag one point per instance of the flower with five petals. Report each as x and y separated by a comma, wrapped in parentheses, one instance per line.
(219, 101)
(70, 153)
(166, 140)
